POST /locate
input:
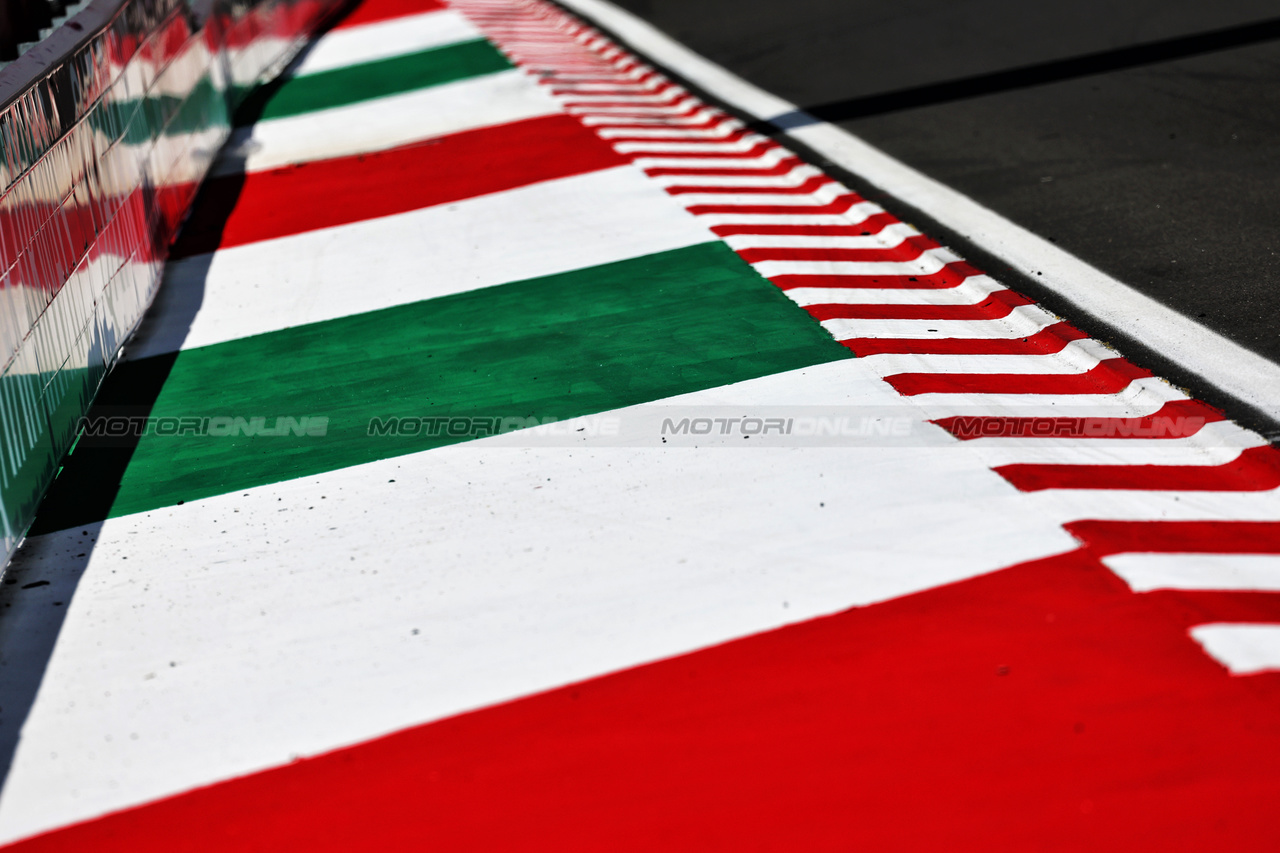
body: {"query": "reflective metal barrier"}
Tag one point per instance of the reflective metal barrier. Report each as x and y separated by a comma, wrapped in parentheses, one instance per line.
(106, 129)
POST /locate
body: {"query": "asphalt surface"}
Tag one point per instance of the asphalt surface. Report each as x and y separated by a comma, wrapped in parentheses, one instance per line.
(1164, 173)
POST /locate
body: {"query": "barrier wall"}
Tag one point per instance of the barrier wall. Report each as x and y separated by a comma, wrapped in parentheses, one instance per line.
(106, 129)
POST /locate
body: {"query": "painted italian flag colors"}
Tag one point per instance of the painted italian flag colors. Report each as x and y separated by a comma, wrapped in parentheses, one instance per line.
(523, 454)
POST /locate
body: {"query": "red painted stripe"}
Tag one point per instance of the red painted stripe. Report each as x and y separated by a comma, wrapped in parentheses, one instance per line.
(813, 184)
(1043, 707)
(908, 250)
(325, 193)
(675, 137)
(651, 102)
(588, 108)
(715, 120)
(757, 150)
(373, 11)
(998, 304)
(839, 205)
(1108, 377)
(873, 224)
(615, 79)
(569, 91)
(685, 113)
(1256, 469)
(1177, 537)
(784, 166)
(1175, 419)
(1044, 342)
(1202, 605)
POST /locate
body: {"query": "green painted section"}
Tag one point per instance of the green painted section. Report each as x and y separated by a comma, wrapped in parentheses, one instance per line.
(555, 347)
(354, 83)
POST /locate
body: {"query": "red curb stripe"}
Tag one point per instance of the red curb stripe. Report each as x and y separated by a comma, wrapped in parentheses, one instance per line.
(373, 11)
(1256, 469)
(1044, 686)
(1175, 419)
(590, 109)
(1201, 606)
(839, 205)
(611, 79)
(810, 185)
(1108, 377)
(873, 224)
(999, 304)
(324, 193)
(715, 120)
(908, 250)
(1047, 341)
(585, 112)
(784, 167)
(1177, 537)
(758, 150)
(675, 137)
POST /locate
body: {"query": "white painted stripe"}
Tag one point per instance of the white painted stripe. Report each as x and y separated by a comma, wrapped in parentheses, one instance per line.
(612, 115)
(1131, 505)
(1075, 357)
(887, 238)
(1140, 395)
(929, 262)
(323, 651)
(1243, 649)
(1023, 321)
(597, 102)
(666, 108)
(668, 132)
(855, 214)
(824, 195)
(793, 178)
(621, 87)
(1236, 370)
(971, 291)
(627, 119)
(385, 39)
(636, 75)
(1190, 452)
(681, 147)
(545, 228)
(383, 123)
(1145, 572)
(770, 158)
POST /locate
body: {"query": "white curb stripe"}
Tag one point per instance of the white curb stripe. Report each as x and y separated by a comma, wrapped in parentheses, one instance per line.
(385, 39)
(1243, 649)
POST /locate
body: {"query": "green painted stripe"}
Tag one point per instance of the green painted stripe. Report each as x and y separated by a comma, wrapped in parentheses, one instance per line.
(341, 86)
(560, 346)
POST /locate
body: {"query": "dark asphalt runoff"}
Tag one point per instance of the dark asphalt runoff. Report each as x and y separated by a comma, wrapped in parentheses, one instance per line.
(1143, 137)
